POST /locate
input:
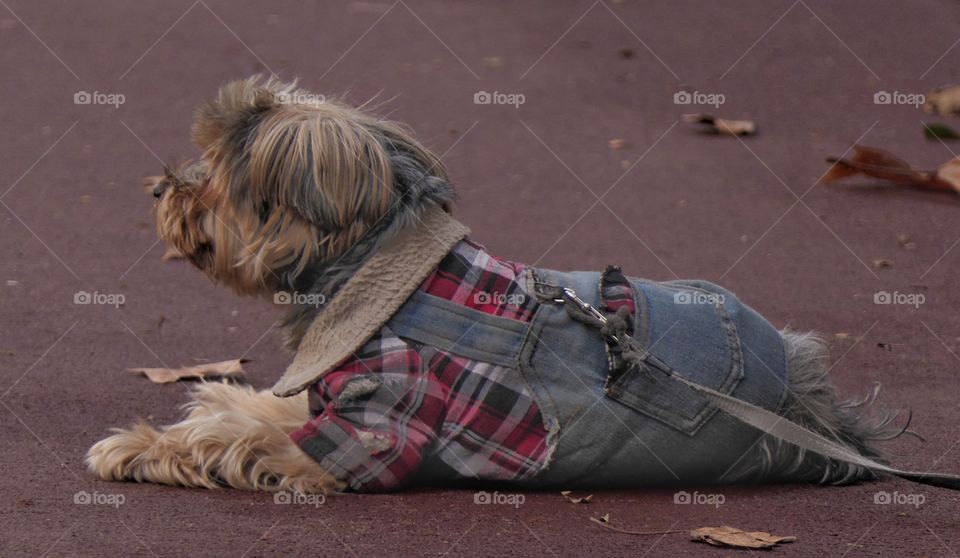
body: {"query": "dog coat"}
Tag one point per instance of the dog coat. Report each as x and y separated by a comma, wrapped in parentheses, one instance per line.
(437, 362)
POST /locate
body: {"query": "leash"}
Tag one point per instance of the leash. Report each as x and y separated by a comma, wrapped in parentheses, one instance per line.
(613, 330)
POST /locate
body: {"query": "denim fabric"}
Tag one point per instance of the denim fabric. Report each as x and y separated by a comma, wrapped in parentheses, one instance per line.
(625, 427)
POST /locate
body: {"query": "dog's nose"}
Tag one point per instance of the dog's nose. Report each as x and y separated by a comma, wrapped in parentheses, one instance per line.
(159, 189)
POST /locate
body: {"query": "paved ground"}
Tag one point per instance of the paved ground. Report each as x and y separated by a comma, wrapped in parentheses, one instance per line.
(747, 214)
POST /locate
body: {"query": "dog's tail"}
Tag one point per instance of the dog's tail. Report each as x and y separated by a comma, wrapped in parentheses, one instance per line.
(812, 402)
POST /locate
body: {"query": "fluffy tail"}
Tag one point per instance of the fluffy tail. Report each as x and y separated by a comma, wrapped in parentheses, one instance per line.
(813, 403)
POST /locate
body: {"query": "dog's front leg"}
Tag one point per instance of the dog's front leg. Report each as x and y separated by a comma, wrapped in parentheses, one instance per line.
(233, 436)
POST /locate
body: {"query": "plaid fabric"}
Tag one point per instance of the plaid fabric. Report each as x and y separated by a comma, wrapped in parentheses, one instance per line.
(397, 410)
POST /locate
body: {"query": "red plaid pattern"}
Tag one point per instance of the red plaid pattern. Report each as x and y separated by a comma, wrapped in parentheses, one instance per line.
(397, 411)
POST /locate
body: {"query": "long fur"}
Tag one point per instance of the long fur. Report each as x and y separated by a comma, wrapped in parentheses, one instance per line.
(232, 436)
(812, 402)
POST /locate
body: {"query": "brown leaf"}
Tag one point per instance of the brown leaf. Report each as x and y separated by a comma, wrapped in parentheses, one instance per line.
(737, 538)
(906, 242)
(949, 173)
(226, 368)
(716, 125)
(877, 163)
(943, 100)
(574, 499)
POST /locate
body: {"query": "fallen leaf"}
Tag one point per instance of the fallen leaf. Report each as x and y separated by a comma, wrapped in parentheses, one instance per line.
(171, 254)
(737, 538)
(227, 368)
(716, 125)
(939, 131)
(576, 500)
(616, 143)
(906, 242)
(877, 163)
(943, 100)
(949, 173)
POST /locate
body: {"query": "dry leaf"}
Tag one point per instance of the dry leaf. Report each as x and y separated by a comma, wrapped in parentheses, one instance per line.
(226, 368)
(722, 126)
(949, 173)
(943, 100)
(906, 242)
(737, 538)
(576, 500)
(881, 164)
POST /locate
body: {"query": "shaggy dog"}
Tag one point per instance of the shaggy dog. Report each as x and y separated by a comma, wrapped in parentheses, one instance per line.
(431, 361)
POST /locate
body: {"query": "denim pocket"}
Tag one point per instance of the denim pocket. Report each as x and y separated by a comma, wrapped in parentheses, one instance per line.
(688, 326)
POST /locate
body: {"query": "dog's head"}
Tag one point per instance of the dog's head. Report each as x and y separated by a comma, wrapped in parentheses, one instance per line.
(289, 181)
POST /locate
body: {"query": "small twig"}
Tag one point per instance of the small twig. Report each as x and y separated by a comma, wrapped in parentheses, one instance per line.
(612, 528)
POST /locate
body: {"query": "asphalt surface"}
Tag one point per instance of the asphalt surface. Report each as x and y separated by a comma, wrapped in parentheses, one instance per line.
(673, 203)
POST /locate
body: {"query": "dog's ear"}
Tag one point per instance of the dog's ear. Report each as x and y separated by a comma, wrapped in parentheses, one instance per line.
(237, 104)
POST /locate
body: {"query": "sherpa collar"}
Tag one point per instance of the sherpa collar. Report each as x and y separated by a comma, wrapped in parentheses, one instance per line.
(370, 298)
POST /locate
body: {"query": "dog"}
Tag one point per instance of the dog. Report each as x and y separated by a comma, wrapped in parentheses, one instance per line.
(431, 361)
